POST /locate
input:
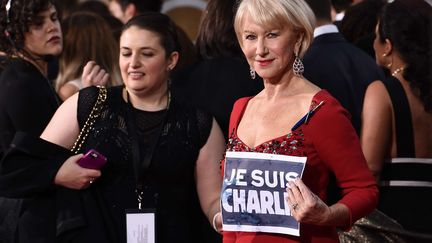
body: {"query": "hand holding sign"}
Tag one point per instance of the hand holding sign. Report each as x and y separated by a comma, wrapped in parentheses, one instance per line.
(307, 207)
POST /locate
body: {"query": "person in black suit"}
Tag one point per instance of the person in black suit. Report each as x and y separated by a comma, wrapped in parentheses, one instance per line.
(334, 64)
(341, 68)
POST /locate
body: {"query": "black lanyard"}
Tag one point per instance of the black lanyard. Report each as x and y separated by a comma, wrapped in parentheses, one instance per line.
(141, 165)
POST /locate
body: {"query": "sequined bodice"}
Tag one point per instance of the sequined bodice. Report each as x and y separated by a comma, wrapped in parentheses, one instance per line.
(290, 144)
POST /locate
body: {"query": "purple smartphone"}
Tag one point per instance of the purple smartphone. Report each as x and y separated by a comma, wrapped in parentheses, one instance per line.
(92, 160)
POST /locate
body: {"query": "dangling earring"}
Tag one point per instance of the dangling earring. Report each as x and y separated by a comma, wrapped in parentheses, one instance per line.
(298, 67)
(252, 72)
(388, 65)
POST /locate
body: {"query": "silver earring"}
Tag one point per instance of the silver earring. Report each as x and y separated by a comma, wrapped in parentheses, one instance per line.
(252, 73)
(298, 67)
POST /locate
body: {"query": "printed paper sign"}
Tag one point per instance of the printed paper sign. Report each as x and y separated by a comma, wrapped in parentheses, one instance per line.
(254, 192)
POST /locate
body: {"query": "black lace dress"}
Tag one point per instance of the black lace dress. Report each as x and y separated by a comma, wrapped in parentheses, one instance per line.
(97, 214)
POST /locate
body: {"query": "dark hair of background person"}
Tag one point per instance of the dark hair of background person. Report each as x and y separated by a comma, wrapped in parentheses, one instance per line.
(94, 6)
(188, 54)
(17, 24)
(321, 9)
(102, 10)
(341, 5)
(87, 38)
(223, 74)
(142, 5)
(360, 20)
(65, 7)
(216, 35)
(411, 35)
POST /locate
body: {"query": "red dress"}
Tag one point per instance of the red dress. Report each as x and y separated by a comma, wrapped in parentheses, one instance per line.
(331, 145)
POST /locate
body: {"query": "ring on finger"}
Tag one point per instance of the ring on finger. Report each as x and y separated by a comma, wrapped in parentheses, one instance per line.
(294, 206)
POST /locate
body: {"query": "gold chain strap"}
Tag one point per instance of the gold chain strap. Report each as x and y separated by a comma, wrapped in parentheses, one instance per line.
(95, 113)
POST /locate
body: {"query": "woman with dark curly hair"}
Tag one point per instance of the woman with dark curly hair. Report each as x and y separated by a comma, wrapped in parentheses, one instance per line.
(30, 35)
(397, 143)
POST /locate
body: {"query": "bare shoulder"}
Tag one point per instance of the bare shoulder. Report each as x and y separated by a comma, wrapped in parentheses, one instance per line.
(376, 93)
(67, 90)
(63, 127)
(377, 86)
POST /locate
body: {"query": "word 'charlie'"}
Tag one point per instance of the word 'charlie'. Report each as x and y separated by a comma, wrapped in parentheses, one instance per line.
(265, 201)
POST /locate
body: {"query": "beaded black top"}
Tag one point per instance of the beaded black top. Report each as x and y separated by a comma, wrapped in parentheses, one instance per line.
(169, 184)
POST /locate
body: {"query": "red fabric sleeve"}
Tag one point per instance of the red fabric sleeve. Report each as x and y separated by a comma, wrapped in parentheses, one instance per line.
(338, 146)
(236, 113)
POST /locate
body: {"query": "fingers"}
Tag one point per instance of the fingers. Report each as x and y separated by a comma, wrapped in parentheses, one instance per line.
(74, 158)
(87, 177)
(291, 200)
(103, 80)
(88, 68)
(73, 176)
(306, 207)
(295, 192)
(309, 198)
(93, 74)
(299, 195)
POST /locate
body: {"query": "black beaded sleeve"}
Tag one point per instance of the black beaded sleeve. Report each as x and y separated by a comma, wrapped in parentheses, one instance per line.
(204, 123)
(86, 100)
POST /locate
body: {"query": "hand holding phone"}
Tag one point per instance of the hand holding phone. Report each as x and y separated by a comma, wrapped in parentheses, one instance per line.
(92, 160)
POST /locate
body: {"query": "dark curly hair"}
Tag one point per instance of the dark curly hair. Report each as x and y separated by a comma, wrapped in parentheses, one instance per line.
(407, 24)
(360, 19)
(16, 22)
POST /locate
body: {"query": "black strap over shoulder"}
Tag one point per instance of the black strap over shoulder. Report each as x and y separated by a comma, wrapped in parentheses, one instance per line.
(403, 120)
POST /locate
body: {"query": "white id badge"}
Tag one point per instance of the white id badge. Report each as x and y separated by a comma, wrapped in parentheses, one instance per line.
(141, 225)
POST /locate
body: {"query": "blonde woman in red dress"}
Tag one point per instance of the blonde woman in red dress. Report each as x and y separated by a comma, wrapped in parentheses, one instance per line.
(292, 116)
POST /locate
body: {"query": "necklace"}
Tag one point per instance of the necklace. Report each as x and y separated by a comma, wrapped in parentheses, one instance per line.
(398, 70)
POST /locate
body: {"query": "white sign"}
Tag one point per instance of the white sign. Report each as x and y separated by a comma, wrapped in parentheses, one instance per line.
(254, 192)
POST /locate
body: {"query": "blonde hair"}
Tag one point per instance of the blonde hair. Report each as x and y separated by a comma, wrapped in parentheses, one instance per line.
(88, 38)
(278, 13)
